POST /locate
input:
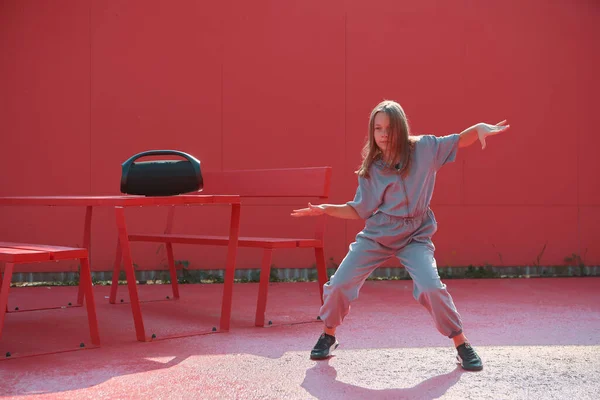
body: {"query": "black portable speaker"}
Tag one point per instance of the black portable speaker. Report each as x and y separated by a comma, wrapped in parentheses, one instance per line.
(162, 177)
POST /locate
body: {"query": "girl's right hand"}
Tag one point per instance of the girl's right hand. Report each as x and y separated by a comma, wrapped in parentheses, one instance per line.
(310, 211)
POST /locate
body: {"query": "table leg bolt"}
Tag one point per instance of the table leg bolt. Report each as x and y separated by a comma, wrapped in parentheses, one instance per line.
(167, 297)
(16, 308)
(318, 318)
(69, 303)
(121, 300)
(270, 322)
(8, 354)
(82, 345)
(214, 329)
(153, 336)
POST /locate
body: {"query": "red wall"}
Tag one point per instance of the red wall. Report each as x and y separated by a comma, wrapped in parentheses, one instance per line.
(265, 84)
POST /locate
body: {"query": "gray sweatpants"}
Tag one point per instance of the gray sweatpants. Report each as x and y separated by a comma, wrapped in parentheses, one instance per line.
(408, 239)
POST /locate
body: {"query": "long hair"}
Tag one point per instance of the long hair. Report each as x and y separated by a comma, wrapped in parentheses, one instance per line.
(400, 145)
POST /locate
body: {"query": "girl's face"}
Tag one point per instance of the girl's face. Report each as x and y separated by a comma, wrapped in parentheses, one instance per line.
(382, 132)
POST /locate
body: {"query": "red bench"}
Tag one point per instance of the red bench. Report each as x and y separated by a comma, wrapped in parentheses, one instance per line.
(21, 253)
(310, 183)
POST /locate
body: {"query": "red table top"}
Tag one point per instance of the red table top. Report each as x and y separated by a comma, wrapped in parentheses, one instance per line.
(123, 201)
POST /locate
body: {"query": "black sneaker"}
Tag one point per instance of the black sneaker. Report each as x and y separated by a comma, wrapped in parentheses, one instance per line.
(467, 358)
(324, 347)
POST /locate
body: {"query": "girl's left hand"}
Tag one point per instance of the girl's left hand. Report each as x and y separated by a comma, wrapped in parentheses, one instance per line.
(485, 130)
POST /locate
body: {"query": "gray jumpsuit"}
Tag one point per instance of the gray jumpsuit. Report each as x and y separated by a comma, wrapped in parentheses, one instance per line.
(399, 223)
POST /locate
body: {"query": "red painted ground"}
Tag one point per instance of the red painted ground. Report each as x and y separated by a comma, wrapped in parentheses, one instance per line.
(539, 338)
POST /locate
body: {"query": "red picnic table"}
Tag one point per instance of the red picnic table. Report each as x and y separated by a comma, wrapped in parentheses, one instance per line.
(119, 203)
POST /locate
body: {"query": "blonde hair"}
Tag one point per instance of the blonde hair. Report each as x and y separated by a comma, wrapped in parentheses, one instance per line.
(401, 143)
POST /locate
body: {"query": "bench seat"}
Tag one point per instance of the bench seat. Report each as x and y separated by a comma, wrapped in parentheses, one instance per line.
(14, 254)
(25, 252)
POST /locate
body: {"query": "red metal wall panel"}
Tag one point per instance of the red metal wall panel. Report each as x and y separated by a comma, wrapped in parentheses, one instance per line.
(266, 84)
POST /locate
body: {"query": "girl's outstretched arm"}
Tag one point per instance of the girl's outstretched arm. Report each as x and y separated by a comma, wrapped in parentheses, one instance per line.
(480, 131)
(344, 211)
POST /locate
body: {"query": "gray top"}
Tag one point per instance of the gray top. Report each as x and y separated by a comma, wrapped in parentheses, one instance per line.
(385, 190)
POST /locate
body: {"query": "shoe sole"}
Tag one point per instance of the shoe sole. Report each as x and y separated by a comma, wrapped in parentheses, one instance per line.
(329, 353)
